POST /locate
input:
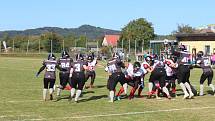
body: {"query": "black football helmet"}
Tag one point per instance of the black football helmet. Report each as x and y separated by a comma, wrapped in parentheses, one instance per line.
(200, 54)
(65, 54)
(79, 57)
(51, 56)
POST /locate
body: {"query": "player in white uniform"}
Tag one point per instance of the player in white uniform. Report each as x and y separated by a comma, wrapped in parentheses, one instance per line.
(90, 73)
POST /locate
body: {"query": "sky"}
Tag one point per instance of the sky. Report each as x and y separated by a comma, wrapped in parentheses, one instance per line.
(165, 15)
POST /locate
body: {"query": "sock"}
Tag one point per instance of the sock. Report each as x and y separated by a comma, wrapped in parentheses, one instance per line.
(67, 87)
(139, 91)
(184, 88)
(125, 86)
(173, 90)
(187, 85)
(150, 86)
(165, 90)
(44, 93)
(51, 90)
(132, 92)
(72, 92)
(120, 91)
(212, 87)
(111, 96)
(78, 93)
(201, 90)
(59, 91)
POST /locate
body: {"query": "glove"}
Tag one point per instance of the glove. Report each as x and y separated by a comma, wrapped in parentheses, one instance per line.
(37, 74)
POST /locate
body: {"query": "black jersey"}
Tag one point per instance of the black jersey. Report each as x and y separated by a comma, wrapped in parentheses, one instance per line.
(185, 58)
(115, 65)
(204, 63)
(65, 63)
(78, 66)
(50, 66)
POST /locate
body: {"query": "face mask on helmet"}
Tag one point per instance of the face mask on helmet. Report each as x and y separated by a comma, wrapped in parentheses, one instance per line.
(79, 57)
(64, 54)
(90, 58)
(51, 57)
(200, 54)
(182, 47)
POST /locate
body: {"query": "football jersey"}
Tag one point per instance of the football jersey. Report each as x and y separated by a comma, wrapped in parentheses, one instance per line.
(78, 66)
(169, 70)
(185, 58)
(50, 69)
(91, 65)
(65, 63)
(114, 66)
(204, 63)
(158, 64)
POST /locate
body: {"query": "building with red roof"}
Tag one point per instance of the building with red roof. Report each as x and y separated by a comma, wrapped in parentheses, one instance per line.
(110, 40)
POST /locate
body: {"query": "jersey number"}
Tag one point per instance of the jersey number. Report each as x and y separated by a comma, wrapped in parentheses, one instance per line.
(77, 67)
(65, 65)
(50, 67)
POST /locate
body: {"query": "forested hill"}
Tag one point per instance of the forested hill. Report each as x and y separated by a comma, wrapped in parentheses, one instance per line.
(91, 32)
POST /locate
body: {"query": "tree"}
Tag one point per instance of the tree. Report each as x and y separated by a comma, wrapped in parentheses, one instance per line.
(81, 42)
(56, 41)
(184, 29)
(140, 30)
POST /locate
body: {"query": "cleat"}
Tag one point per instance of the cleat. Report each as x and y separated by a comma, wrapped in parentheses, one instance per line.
(169, 97)
(186, 96)
(118, 98)
(51, 97)
(110, 101)
(191, 95)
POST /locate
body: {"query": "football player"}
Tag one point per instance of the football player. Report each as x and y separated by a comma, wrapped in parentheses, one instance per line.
(183, 74)
(114, 68)
(157, 77)
(65, 63)
(207, 71)
(49, 78)
(90, 73)
(170, 67)
(77, 75)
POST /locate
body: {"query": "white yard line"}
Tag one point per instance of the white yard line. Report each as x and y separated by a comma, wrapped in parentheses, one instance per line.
(122, 114)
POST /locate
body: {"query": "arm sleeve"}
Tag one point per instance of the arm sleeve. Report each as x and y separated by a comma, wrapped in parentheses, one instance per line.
(41, 69)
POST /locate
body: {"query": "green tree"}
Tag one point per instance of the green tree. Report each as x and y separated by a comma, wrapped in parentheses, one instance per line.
(184, 29)
(140, 30)
(81, 42)
(56, 41)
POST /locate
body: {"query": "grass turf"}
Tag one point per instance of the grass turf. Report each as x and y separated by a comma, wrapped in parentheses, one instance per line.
(21, 99)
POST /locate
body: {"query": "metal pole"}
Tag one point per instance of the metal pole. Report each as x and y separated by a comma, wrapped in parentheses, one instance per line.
(27, 47)
(63, 46)
(97, 48)
(13, 46)
(39, 45)
(51, 46)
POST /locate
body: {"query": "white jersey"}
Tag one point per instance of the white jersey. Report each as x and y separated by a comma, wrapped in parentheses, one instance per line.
(144, 66)
(169, 70)
(92, 65)
(129, 70)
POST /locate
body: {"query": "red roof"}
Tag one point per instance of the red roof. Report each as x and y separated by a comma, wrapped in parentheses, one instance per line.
(112, 39)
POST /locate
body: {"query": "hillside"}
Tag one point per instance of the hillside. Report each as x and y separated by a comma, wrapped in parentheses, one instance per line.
(91, 32)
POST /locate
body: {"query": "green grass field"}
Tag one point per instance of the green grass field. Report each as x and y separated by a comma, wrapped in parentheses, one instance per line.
(21, 99)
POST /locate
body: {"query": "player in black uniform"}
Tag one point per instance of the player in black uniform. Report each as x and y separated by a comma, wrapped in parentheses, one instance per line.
(49, 78)
(77, 75)
(65, 63)
(114, 67)
(207, 71)
(184, 72)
